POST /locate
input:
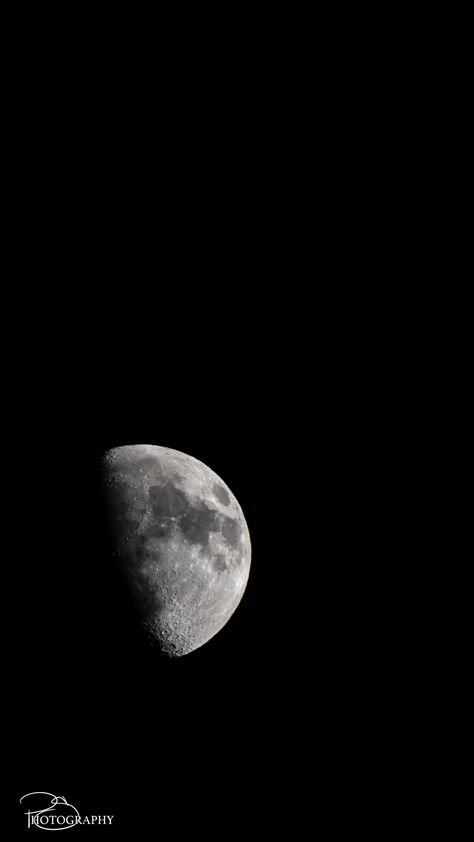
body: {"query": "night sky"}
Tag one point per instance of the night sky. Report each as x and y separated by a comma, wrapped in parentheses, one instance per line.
(219, 231)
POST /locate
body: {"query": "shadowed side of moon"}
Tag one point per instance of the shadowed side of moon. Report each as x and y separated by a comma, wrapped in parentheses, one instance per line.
(182, 540)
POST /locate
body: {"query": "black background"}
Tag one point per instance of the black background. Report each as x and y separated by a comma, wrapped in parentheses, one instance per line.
(220, 233)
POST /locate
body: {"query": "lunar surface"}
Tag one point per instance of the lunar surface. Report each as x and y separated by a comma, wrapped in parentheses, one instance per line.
(182, 540)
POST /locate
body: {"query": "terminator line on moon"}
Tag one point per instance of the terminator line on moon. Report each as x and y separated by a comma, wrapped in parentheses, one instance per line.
(182, 540)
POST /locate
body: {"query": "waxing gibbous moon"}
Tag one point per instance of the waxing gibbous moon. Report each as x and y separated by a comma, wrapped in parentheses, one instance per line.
(182, 540)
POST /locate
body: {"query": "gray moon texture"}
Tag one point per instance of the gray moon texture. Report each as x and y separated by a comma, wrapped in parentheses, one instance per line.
(182, 541)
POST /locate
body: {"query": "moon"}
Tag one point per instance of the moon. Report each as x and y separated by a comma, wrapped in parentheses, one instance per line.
(182, 541)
